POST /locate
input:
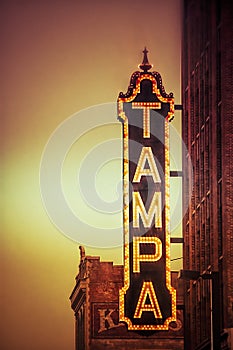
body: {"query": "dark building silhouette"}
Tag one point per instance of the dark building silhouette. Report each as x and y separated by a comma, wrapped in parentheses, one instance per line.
(207, 71)
(95, 301)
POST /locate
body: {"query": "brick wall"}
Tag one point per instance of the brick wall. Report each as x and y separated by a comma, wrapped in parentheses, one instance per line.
(103, 330)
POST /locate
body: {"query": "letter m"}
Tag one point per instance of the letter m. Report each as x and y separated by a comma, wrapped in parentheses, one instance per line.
(147, 217)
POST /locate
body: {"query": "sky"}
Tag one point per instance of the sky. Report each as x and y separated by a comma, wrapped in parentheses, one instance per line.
(63, 64)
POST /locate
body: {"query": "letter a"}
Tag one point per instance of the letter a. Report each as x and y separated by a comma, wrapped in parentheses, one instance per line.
(147, 291)
(146, 155)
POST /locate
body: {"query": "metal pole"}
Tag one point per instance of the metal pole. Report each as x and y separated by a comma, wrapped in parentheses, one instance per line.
(213, 277)
(211, 316)
(215, 310)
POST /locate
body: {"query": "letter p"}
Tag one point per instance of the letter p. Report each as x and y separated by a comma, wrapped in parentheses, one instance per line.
(137, 257)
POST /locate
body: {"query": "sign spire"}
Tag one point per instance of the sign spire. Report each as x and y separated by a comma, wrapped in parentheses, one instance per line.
(145, 65)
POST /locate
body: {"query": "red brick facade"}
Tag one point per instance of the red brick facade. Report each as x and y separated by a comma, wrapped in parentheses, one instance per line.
(207, 71)
(95, 304)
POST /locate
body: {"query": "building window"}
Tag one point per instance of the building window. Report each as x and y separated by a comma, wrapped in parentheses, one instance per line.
(219, 144)
(193, 242)
(80, 329)
(220, 251)
(187, 234)
(207, 157)
(192, 119)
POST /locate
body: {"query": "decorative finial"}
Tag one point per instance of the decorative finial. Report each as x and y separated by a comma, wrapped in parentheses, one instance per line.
(82, 253)
(145, 66)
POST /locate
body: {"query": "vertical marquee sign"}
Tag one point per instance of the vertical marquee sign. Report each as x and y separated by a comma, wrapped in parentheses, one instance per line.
(147, 301)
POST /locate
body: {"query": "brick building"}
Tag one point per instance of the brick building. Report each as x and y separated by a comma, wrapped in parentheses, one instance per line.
(207, 71)
(95, 301)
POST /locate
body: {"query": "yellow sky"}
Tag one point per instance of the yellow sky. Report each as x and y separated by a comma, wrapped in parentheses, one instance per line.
(58, 58)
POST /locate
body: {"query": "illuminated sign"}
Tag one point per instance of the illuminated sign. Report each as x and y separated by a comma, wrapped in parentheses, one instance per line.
(147, 301)
(105, 324)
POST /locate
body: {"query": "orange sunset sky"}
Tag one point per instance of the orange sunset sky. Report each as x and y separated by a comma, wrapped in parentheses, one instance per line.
(59, 58)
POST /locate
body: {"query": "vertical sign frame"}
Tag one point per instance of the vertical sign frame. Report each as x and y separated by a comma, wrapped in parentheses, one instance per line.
(149, 313)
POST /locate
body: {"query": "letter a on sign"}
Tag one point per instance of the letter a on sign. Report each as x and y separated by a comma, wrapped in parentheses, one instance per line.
(146, 155)
(147, 292)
